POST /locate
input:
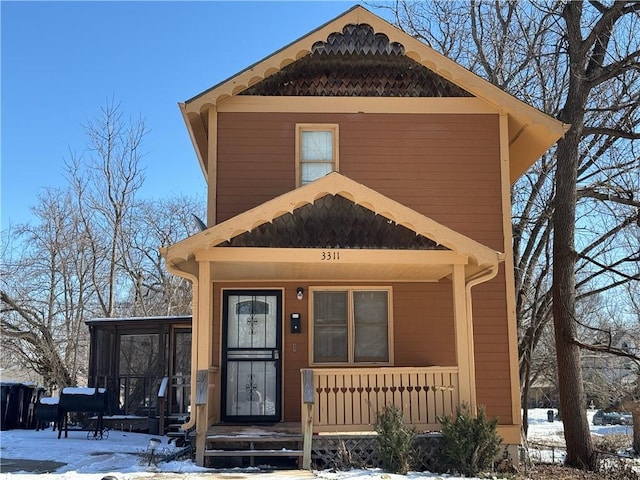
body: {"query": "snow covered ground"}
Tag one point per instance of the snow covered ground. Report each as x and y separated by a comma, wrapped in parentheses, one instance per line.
(125, 456)
(546, 439)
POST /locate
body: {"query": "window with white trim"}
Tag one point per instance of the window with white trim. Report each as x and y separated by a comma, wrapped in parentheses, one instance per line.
(351, 326)
(316, 151)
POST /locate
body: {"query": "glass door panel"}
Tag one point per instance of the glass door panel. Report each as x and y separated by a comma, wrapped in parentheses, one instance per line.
(251, 367)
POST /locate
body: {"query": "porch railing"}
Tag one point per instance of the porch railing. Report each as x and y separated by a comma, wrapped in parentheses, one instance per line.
(348, 399)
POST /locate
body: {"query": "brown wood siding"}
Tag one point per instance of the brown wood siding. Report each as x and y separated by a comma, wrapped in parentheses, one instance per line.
(256, 161)
(423, 325)
(445, 166)
(490, 332)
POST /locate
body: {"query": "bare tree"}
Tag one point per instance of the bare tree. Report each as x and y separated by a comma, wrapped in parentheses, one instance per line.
(44, 292)
(631, 401)
(153, 225)
(605, 56)
(92, 251)
(105, 182)
(579, 62)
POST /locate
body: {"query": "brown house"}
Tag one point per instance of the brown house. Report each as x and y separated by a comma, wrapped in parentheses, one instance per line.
(359, 236)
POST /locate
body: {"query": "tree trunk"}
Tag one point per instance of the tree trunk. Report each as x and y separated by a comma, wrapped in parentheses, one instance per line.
(580, 451)
(636, 428)
(526, 388)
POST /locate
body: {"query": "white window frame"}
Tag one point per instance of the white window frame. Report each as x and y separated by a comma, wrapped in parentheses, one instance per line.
(351, 324)
(315, 127)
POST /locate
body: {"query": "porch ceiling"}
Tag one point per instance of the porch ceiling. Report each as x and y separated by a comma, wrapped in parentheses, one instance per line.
(310, 264)
(270, 271)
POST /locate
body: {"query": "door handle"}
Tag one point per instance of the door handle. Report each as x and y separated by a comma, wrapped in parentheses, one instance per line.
(276, 354)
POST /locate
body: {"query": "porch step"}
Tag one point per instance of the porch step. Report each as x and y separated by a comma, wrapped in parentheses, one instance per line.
(244, 438)
(250, 445)
(253, 453)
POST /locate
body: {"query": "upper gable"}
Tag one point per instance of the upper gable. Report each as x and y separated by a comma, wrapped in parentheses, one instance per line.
(356, 62)
(331, 49)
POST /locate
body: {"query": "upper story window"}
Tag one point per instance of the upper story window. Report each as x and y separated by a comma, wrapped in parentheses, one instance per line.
(316, 151)
(351, 326)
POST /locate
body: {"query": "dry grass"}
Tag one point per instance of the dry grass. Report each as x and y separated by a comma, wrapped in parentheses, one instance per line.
(610, 467)
(558, 472)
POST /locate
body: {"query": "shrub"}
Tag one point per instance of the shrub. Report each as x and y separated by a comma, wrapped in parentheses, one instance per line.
(470, 443)
(395, 441)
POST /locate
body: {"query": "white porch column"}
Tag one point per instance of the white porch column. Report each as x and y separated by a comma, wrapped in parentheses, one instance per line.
(203, 357)
(464, 339)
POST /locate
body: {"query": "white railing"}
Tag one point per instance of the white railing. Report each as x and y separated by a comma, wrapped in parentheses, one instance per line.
(348, 399)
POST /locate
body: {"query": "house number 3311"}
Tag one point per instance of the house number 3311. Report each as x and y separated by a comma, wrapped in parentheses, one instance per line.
(328, 255)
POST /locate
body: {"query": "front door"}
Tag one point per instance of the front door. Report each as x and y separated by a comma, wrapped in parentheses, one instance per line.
(251, 346)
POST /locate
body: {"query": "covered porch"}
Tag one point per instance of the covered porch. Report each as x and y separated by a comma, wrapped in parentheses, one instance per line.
(337, 234)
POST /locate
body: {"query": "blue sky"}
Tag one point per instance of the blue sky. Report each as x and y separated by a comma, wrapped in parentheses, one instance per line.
(62, 61)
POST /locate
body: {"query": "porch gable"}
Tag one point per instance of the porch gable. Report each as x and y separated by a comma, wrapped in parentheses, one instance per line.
(270, 222)
(335, 222)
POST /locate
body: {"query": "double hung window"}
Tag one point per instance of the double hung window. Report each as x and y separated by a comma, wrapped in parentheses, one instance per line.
(351, 326)
(316, 151)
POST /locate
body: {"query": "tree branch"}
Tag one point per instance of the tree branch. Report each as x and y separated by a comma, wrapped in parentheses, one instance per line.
(28, 316)
(22, 335)
(592, 193)
(606, 349)
(609, 268)
(618, 107)
(607, 72)
(610, 132)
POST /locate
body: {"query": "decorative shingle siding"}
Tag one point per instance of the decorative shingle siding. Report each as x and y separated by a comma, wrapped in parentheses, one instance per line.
(356, 63)
(333, 222)
(360, 39)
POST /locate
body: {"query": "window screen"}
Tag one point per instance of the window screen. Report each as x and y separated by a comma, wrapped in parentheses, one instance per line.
(351, 326)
